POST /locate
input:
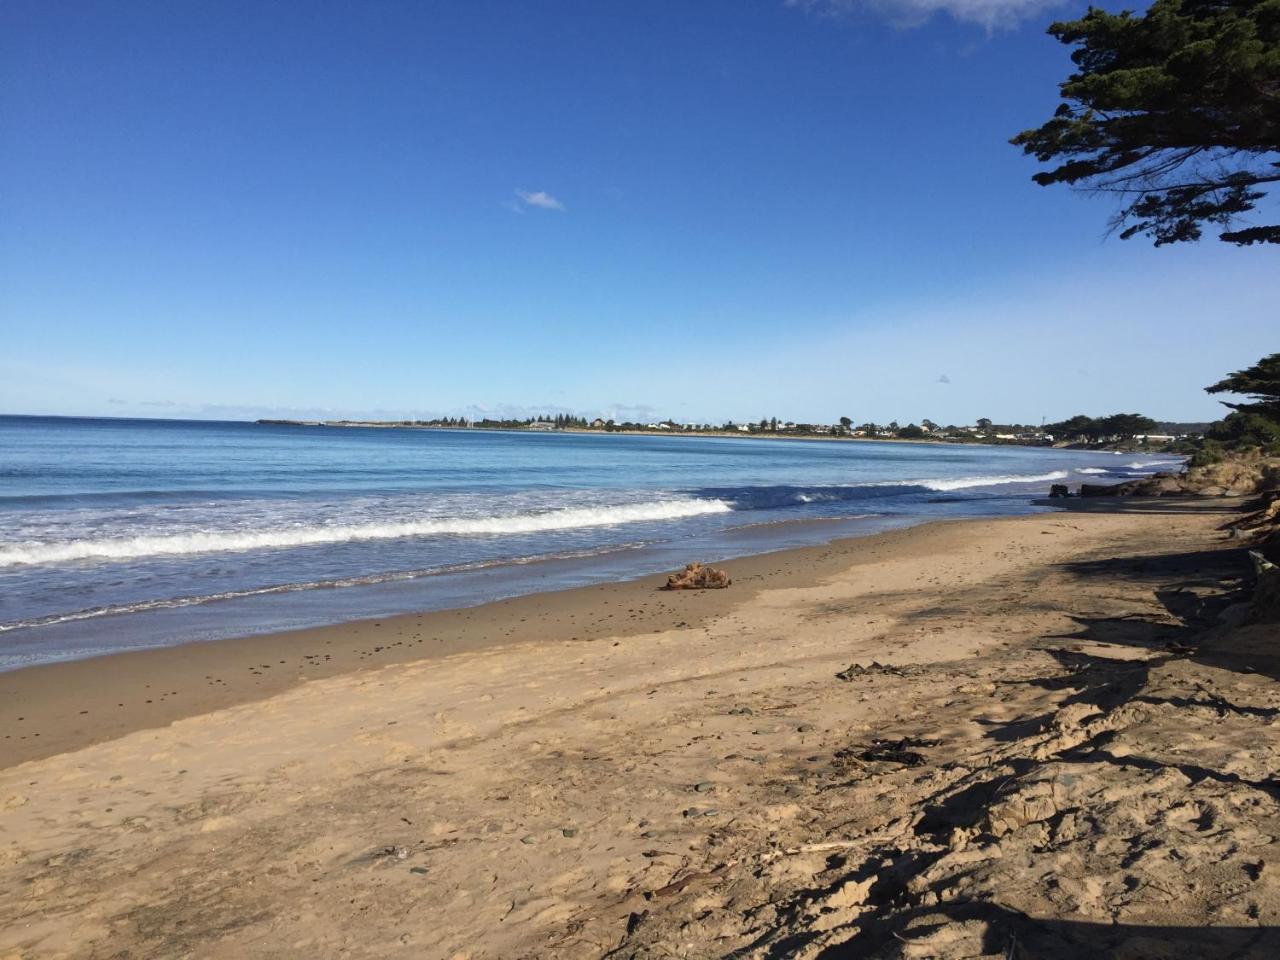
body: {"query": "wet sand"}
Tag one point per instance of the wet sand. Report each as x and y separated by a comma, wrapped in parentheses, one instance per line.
(52, 708)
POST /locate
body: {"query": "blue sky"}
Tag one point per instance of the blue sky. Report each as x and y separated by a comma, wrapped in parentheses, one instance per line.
(702, 210)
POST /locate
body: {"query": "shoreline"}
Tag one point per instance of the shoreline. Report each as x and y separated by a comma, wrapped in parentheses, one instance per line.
(57, 706)
(436, 591)
(737, 435)
(726, 434)
(65, 705)
(937, 737)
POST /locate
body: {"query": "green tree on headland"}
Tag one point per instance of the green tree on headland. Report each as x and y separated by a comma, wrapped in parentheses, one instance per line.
(1176, 111)
(1239, 430)
(1249, 425)
(1126, 425)
(1118, 426)
(1260, 383)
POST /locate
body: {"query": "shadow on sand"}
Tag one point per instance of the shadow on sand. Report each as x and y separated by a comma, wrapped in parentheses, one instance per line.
(1199, 589)
(1196, 590)
(1015, 936)
(1151, 505)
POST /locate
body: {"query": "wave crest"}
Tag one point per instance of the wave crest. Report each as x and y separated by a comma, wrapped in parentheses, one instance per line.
(132, 548)
(963, 483)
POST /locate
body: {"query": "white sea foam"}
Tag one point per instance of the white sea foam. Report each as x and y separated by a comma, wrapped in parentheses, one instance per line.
(132, 548)
(1144, 464)
(963, 483)
(1092, 470)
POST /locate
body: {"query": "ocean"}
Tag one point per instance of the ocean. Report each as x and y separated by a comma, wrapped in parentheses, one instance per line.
(120, 534)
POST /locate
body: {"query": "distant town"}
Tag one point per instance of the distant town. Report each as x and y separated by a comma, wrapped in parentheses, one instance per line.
(1122, 429)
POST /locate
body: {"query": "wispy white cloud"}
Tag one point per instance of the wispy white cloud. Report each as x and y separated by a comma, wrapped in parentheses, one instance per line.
(990, 14)
(536, 198)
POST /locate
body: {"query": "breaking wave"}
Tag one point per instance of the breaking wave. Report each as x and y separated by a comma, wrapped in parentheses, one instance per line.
(783, 496)
(130, 548)
(963, 483)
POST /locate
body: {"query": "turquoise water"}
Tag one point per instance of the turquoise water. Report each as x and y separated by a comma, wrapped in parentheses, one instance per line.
(124, 533)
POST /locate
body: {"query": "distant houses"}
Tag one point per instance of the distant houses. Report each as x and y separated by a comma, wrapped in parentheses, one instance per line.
(1079, 431)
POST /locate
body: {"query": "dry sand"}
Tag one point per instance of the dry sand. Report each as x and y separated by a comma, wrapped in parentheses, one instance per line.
(1080, 762)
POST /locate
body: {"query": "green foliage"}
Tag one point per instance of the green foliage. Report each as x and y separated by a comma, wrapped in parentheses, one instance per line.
(1118, 426)
(1245, 430)
(1177, 111)
(1260, 383)
(1077, 427)
(1208, 454)
(911, 432)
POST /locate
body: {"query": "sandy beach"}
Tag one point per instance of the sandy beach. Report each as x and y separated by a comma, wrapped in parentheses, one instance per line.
(1022, 737)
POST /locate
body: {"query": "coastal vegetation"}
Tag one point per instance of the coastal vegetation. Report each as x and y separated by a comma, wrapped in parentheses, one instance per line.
(1091, 430)
(1175, 112)
(1260, 383)
(1252, 426)
(1120, 430)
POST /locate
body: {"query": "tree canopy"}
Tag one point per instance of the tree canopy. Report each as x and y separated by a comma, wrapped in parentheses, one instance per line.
(1260, 383)
(1095, 429)
(1245, 430)
(1176, 111)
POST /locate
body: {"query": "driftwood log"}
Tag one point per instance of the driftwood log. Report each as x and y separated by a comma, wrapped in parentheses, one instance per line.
(697, 577)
